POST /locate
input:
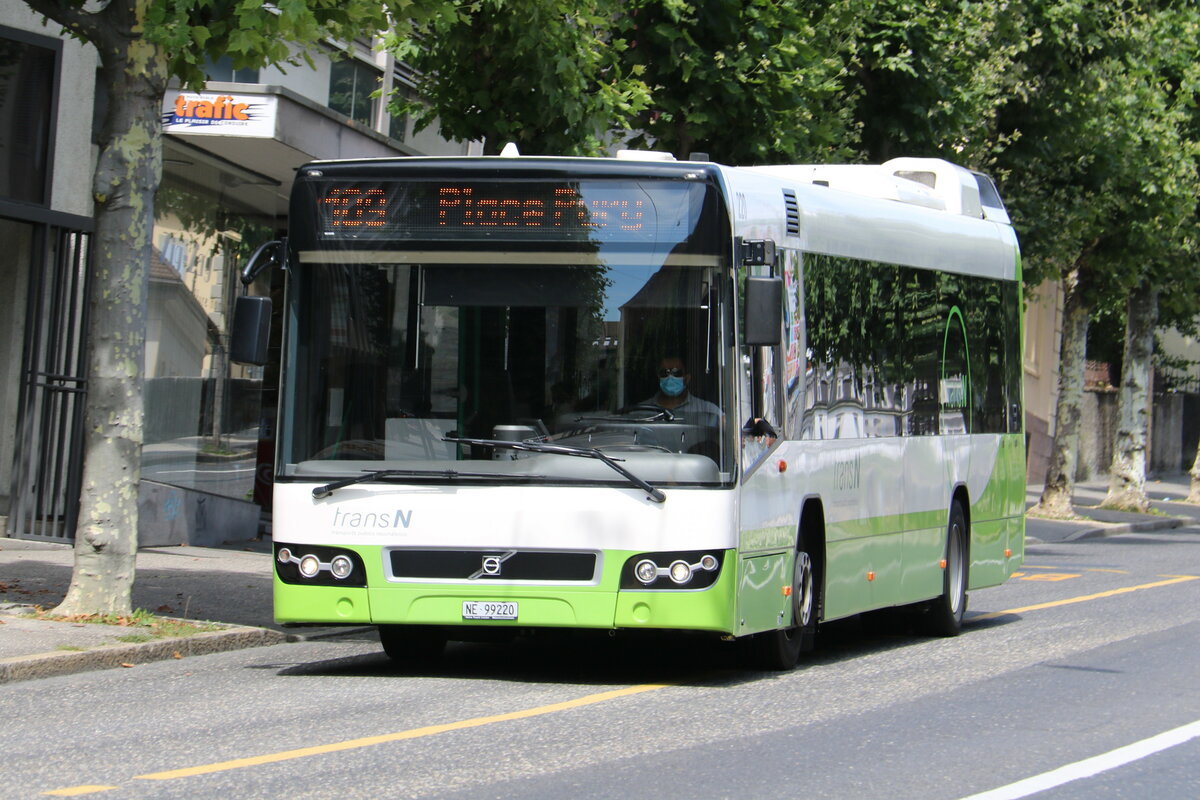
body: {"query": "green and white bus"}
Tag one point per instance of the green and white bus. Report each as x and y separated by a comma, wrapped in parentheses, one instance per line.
(638, 393)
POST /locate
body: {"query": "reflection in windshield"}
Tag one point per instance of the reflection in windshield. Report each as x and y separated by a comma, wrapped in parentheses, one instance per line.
(388, 359)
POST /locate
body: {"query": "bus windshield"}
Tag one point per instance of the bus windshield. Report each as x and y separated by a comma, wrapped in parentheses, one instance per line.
(619, 346)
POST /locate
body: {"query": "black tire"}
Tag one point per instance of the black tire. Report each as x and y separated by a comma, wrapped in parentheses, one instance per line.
(780, 650)
(944, 616)
(412, 643)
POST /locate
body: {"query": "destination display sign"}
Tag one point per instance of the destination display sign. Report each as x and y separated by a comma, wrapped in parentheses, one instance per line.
(614, 210)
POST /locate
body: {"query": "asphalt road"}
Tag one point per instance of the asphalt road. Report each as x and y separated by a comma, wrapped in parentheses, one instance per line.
(1080, 678)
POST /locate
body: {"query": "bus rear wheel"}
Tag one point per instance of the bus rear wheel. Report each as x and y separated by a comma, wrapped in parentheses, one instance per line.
(944, 615)
(412, 643)
(781, 649)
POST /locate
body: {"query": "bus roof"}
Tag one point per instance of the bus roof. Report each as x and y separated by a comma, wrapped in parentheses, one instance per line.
(854, 212)
(925, 213)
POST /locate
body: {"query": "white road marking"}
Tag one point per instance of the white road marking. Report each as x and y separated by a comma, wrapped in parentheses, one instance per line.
(1092, 766)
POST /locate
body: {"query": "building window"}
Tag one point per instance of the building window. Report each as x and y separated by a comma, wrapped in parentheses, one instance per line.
(27, 92)
(351, 84)
(397, 126)
(222, 70)
(398, 123)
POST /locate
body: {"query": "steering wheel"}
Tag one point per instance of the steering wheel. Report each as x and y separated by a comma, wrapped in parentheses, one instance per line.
(660, 412)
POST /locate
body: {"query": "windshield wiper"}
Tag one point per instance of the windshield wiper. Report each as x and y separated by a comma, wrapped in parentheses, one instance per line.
(565, 450)
(374, 475)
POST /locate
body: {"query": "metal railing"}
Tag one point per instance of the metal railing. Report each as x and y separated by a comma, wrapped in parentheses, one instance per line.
(48, 453)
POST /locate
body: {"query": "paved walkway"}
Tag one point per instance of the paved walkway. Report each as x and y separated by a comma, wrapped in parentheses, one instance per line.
(231, 585)
(1166, 494)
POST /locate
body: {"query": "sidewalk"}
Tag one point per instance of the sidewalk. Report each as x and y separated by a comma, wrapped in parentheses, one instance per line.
(231, 585)
(1165, 493)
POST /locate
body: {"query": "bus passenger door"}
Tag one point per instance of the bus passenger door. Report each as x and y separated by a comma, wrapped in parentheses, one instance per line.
(767, 534)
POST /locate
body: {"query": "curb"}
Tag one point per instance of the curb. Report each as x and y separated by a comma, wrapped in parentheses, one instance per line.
(320, 633)
(46, 665)
(1121, 528)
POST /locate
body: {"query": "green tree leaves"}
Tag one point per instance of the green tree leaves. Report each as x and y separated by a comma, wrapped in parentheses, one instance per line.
(546, 74)
(746, 81)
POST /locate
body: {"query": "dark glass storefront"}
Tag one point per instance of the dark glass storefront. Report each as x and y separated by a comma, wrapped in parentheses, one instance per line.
(43, 276)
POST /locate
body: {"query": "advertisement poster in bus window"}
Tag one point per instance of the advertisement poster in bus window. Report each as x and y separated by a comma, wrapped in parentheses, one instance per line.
(793, 322)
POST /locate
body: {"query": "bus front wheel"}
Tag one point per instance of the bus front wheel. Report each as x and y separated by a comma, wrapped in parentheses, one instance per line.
(781, 649)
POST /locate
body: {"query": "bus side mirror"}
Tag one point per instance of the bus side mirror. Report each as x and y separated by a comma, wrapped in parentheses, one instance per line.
(251, 330)
(269, 254)
(764, 311)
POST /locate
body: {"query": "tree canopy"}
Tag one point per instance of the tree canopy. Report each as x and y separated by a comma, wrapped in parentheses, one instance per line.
(749, 81)
(928, 78)
(550, 75)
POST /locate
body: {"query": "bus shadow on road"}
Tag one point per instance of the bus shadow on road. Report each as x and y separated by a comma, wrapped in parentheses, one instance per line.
(991, 619)
(599, 659)
(570, 657)
(882, 631)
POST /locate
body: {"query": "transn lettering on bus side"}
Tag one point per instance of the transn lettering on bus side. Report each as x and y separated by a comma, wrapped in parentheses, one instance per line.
(460, 206)
(350, 207)
(361, 521)
(847, 474)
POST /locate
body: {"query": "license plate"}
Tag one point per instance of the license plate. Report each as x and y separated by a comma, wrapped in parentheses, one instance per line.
(489, 609)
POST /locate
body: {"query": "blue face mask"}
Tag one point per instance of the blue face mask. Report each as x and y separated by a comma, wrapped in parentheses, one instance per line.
(672, 386)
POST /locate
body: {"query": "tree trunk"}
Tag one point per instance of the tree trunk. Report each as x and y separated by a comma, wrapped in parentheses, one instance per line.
(683, 137)
(1194, 494)
(127, 175)
(1127, 481)
(1060, 474)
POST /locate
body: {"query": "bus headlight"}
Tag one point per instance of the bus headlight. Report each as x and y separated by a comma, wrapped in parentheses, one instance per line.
(318, 565)
(688, 570)
(341, 567)
(646, 571)
(310, 565)
(681, 572)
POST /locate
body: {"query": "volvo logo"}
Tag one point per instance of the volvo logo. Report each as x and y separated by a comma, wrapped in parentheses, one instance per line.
(492, 565)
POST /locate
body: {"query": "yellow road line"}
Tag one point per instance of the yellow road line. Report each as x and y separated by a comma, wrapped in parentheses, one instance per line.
(415, 733)
(76, 791)
(368, 741)
(1079, 569)
(1084, 598)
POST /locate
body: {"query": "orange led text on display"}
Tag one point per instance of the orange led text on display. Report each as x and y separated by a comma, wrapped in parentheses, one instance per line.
(462, 207)
(356, 208)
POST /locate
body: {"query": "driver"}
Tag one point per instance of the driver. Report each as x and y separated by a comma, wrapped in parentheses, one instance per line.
(674, 396)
